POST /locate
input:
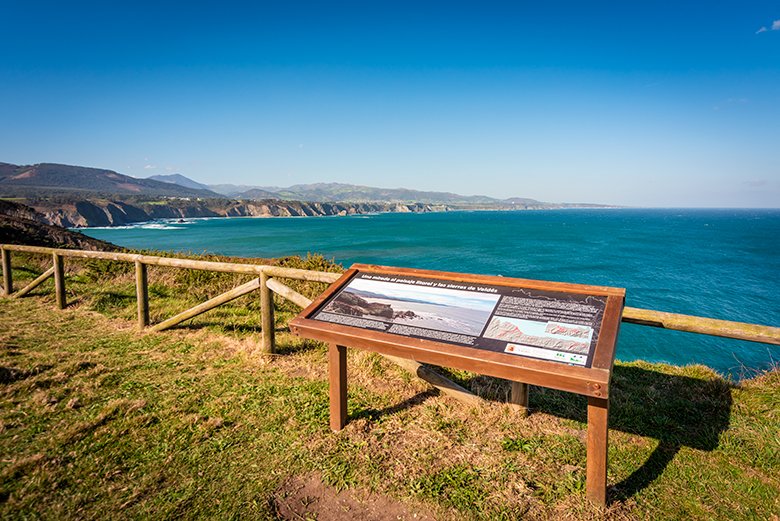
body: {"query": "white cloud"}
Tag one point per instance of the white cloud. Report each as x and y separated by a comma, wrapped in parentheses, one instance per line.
(150, 167)
(774, 27)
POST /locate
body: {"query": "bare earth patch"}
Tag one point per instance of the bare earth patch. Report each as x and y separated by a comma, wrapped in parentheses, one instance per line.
(306, 497)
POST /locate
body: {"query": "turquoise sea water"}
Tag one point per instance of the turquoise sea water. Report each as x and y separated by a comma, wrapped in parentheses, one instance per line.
(715, 263)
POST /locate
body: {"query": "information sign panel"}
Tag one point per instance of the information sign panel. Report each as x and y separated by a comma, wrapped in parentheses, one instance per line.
(551, 334)
(548, 325)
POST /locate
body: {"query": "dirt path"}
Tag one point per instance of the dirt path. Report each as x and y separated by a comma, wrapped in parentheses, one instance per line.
(307, 498)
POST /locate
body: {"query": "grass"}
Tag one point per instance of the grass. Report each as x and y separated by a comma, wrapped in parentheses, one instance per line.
(98, 420)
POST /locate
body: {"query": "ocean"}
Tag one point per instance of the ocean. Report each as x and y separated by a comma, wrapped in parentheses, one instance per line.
(714, 263)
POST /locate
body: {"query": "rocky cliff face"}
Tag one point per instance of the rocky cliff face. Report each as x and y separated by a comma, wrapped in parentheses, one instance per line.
(20, 211)
(20, 224)
(90, 213)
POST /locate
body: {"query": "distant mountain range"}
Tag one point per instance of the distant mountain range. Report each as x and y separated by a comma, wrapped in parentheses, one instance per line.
(78, 182)
(340, 192)
(180, 180)
(76, 196)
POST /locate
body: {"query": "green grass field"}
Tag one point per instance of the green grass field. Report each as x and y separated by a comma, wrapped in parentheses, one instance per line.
(98, 420)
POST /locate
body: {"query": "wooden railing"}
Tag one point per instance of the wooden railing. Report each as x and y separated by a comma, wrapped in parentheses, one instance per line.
(265, 274)
(267, 283)
(702, 325)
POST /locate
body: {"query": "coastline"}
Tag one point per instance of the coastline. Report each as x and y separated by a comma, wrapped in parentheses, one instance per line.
(175, 220)
(407, 210)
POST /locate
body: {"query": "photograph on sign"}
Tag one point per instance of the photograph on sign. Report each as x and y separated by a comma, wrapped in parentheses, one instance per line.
(555, 326)
(443, 309)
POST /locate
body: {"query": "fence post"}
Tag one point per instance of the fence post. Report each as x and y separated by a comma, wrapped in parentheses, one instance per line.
(142, 294)
(8, 279)
(267, 312)
(59, 281)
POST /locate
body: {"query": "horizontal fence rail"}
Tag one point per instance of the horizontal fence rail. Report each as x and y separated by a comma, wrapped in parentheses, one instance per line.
(645, 317)
(702, 325)
(152, 260)
(262, 272)
(266, 282)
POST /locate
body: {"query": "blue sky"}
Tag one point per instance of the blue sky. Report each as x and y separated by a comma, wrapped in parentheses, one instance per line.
(636, 103)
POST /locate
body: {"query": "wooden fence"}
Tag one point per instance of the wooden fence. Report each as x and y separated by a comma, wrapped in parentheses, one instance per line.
(267, 283)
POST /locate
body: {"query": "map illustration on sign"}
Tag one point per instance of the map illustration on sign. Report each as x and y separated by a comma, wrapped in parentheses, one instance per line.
(561, 327)
(525, 335)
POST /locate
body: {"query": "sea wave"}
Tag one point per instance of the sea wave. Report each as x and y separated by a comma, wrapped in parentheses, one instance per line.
(160, 226)
(156, 225)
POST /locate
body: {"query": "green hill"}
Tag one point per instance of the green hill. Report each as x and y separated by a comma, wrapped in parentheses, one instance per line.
(55, 179)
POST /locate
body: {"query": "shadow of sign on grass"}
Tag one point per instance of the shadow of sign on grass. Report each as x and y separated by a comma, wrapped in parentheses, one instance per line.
(678, 411)
(373, 414)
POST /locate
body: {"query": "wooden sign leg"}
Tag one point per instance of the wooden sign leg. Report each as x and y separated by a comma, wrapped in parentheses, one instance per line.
(598, 432)
(337, 366)
(519, 395)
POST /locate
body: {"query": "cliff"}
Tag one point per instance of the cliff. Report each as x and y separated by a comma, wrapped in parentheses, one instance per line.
(103, 212)
(20, 224)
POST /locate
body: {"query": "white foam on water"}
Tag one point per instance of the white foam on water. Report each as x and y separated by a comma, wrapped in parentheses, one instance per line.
(159, 226)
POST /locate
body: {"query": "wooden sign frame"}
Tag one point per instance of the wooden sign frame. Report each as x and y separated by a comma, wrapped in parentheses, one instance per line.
(590, 379)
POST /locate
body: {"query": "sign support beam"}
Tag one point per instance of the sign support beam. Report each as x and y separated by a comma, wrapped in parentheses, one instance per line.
(337, 368)
(598, 440)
